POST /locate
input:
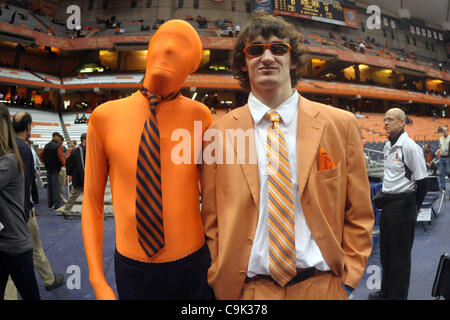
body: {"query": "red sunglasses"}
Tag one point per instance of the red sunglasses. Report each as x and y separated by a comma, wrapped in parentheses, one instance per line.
(277, 48)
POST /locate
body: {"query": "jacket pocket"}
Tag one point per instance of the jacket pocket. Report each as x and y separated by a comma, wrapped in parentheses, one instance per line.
(329, 174)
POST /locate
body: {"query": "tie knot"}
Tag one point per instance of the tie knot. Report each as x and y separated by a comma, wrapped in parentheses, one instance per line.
(272, 116)
(154, 99)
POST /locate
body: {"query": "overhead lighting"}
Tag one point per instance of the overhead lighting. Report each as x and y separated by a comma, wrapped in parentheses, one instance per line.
(363, 66)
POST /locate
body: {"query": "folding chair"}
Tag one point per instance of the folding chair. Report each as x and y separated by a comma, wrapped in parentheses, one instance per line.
(434, 192)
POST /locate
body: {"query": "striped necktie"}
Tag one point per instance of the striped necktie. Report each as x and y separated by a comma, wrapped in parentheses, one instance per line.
(282, 257)
(149, 210)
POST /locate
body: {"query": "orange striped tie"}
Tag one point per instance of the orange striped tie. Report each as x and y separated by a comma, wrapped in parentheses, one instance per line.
(149, 210)
(281, 205)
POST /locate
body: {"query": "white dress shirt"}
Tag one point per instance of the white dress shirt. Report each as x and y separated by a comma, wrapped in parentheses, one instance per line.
(307, 252)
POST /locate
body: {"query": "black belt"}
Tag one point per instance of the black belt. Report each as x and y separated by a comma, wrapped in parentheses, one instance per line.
(302, 275)
(444, 156)
(397, 196)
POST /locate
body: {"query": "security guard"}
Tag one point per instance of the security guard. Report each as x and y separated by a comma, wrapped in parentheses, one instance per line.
(405, 184)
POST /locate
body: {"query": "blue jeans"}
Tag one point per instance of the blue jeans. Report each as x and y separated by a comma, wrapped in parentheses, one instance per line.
(444, 165)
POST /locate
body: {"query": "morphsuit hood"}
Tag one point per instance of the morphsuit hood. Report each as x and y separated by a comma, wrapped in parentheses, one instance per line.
(174, 52)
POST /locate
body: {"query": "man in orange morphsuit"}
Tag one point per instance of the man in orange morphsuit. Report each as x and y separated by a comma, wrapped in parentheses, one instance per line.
(178, 270)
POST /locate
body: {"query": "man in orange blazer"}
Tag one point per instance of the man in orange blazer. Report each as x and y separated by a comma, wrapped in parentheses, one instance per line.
(289, 215)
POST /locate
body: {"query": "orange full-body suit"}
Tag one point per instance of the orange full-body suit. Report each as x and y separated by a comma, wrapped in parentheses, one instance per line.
(113, 138)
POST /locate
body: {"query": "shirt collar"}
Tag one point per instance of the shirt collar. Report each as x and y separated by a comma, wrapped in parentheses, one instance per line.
(394, 139)
(286, 110)
(402, 137)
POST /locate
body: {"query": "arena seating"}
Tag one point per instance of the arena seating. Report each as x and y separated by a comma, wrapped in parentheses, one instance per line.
(74, 130)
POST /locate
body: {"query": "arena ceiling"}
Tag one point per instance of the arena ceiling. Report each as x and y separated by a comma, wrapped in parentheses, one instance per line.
(434, 11)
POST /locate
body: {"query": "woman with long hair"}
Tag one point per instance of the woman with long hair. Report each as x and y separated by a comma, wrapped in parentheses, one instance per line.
(16, 250)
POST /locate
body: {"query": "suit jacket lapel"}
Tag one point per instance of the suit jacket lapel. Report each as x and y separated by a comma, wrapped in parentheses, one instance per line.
(309, 133)
(243, 120)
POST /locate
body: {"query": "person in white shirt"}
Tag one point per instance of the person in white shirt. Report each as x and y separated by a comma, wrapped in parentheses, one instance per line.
(292, 219)
(237, 28)
(405, 183)
(444, 164)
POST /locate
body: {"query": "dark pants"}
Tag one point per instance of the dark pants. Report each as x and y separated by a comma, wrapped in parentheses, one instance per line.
(397, 226)
(444, 168)
(185, 278)
(54, 190)
(21, 270)
(34, 191)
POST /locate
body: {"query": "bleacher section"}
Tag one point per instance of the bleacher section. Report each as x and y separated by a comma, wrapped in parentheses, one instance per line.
(422, 128)
(29, 21)
(74, 130)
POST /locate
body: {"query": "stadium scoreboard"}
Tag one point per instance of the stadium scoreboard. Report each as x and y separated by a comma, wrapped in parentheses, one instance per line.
(321, 10)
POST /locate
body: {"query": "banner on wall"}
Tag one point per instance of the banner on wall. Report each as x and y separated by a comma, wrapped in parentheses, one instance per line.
(351, 19)
(265, 5)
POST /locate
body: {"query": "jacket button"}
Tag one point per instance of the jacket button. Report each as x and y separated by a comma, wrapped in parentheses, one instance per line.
(250, 241)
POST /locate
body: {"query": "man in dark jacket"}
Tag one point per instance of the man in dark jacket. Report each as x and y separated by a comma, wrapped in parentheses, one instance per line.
(21, 123)
(75, 168)
(22, 126)
(53, 158)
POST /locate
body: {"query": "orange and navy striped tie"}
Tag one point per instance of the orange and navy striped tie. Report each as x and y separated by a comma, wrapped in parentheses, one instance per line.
(149, 210)
(282, 257)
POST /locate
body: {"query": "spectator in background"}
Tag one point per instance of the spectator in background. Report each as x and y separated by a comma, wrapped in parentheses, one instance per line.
(72, 146)
(13, 17)
(34, 190)
(21, 123)
(434, 116)
(230, 30)
(405, 184)
(237, 28)
(430, 159)
(75, 168)
(62, 173)
(444, 163)
(16, 249)
(362, 47)
(53, 159)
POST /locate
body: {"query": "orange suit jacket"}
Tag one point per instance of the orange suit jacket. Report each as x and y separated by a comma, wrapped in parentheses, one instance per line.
(336, 202)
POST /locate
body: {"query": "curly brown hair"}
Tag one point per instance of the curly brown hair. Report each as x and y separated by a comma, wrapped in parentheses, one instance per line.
(265, 24)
